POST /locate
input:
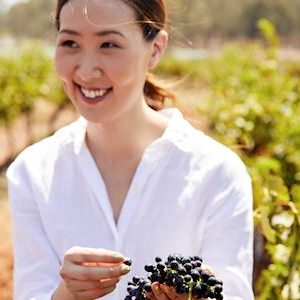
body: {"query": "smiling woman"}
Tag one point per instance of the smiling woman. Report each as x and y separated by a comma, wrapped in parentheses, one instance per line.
(114, 59)
(124, 178)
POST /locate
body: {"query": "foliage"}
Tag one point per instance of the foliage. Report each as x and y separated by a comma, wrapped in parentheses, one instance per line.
(32, 19)
(191, 70)
(21, 81)
(188, 18)
(255, 108)
(26, 76)
(283, 14)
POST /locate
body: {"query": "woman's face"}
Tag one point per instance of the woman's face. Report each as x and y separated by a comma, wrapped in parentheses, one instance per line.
(102, 58)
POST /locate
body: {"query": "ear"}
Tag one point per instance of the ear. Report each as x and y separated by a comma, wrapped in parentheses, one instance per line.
(159, 46)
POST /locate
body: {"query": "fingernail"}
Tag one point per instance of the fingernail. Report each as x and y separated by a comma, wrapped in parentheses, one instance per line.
(118, 257)
(125, 269)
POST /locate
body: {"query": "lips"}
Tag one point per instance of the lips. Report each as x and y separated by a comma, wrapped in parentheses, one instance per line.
(93, 94)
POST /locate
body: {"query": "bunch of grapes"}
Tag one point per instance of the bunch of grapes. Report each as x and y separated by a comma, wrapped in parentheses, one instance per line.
(182, 273)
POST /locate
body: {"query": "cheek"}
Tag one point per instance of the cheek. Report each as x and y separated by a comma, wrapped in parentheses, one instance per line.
(130, 70)
(62, 66)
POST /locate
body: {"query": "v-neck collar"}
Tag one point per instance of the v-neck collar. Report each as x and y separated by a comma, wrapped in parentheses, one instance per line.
(150, 159)
(175, 132)
(147, 164)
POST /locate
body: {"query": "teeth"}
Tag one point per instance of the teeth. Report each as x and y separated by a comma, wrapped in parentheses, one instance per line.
(93, 93)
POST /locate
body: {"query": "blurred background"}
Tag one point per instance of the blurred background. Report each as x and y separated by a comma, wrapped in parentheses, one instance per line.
(201, 22)
(235, 67)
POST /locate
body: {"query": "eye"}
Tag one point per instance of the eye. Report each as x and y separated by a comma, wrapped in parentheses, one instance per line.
(109, 45)
(69, 44)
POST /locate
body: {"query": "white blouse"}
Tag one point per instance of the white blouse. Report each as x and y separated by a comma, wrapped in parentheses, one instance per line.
(189, 195)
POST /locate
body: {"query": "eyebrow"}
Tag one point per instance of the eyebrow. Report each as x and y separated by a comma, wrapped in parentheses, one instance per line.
(98, 33)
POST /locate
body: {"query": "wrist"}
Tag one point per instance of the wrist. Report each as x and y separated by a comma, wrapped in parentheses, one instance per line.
(62, 293)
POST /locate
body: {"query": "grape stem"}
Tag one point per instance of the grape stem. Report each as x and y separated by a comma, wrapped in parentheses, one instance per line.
(190, 290)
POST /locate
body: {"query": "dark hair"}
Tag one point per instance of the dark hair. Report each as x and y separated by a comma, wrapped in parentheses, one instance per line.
(151, 15)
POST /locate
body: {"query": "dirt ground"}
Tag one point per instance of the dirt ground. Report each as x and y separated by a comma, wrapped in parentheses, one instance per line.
(6, 263)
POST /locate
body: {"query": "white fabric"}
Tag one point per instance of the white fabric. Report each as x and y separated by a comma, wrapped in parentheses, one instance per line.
(190, 195)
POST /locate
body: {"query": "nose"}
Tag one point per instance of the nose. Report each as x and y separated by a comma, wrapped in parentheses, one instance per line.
(88, 68)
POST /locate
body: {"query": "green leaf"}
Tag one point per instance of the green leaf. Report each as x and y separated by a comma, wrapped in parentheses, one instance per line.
(268, 232)
(277, 189)
(295, 192)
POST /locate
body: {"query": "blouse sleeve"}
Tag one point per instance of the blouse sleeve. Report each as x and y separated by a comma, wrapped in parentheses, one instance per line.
(228, 237)
(36, 266)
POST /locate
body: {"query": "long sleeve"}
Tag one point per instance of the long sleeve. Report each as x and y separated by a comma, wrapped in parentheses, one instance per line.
(36, 266)
(185, 181)
(228, 239)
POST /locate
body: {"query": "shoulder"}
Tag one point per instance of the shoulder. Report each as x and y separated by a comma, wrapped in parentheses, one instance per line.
(224, 176)
(39, 156)
(215, 171)
(205, 152)
(218, 154)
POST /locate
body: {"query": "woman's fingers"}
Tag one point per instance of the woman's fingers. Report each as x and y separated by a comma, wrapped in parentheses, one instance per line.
(208, 269)
(95, 293)
(109, 282)
(84, 255)
(158, 292)
(91, 273)
(164, 292)
(80, 286)
(83, 272)
(171, 293)
(151, 296)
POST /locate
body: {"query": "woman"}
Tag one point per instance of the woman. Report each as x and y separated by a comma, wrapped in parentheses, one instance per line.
(126, 179)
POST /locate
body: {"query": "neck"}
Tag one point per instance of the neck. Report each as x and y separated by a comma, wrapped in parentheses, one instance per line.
(123, 140)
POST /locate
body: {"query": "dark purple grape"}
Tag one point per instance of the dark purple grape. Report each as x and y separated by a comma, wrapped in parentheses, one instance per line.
(127, 261)
(182, 273)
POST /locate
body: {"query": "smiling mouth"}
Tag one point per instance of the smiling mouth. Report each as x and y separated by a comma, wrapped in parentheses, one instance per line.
(94, 94)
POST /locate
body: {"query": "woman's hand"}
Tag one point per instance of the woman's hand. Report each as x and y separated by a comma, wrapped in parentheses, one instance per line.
(164, 292)
(89, 273)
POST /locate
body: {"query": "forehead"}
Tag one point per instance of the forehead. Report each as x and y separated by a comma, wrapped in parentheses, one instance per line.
(97, 13)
